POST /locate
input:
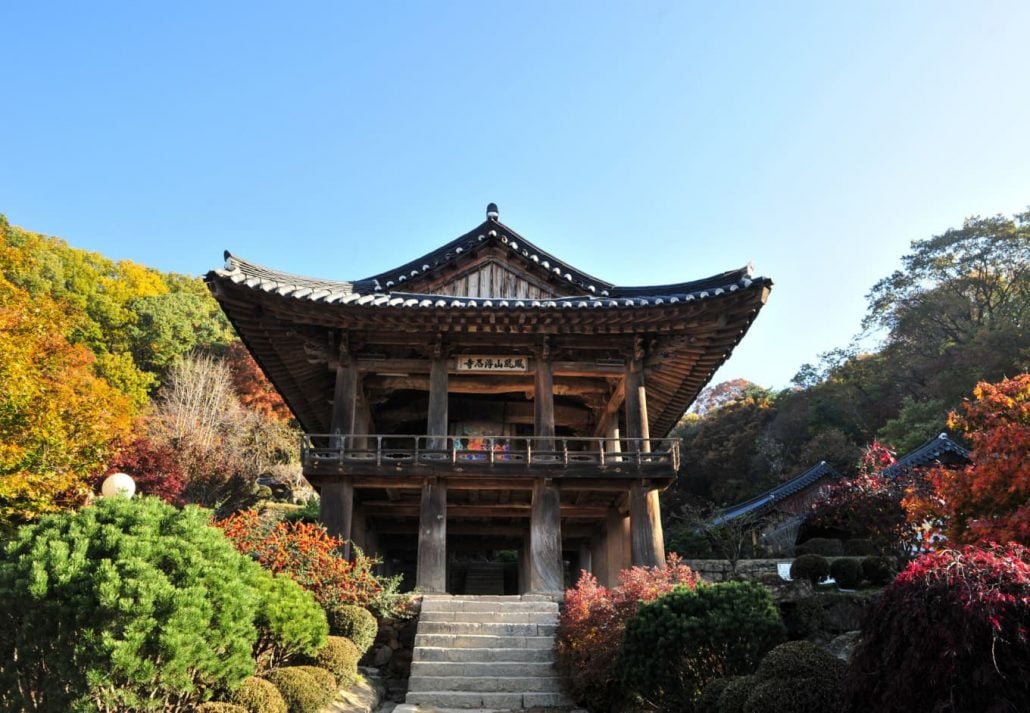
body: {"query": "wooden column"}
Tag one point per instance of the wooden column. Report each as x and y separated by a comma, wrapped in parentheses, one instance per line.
(357, 529)
(525, 566)
(437, 420)
(646, 524)
(599, 556)
(585, 560)
(543, 396)
(336, 511)
(636, 401)
(545, 539)
(345, 395)
(431, 577)
(617, 545)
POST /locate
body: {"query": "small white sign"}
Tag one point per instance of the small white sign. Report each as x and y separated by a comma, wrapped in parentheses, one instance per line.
(483, 362)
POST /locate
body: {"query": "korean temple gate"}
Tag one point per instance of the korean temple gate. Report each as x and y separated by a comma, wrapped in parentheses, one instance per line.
(490, 397)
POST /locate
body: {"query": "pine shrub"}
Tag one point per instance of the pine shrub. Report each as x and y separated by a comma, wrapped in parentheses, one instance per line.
(878, 570)
(290, 623)
(814, 568)
(302, 692)
(354, 622)
(259, 696)
(676, 644)
(859, 547)
(950, 633)
(122, 605)
(825, 546)
(847, 571)
(340, 657)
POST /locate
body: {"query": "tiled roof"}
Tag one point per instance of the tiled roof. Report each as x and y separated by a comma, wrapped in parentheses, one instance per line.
(934, 451)
(781, 492)
(242, 272)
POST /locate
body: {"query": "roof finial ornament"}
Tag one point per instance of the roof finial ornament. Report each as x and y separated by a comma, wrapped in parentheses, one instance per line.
(492, 212)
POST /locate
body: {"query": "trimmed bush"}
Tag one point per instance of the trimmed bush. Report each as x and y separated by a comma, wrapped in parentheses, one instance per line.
(128, 604)
(219, 707)
(878, 570)
(814, 568)
(676, 644)
(340, 657)
(798, 676)
(324, 677)
(949, 634)
(859, 547)
(259, 696)
(735, 695)
(302, 692)
(709, 699)
(847, 571)
(825, 546)
(354, 622)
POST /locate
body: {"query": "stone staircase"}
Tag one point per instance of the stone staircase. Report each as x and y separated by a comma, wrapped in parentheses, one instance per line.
(485, 652)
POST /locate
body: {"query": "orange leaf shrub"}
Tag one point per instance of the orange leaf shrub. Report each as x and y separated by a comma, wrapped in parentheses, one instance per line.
(594, 619)
(308, 554)
(990, 499)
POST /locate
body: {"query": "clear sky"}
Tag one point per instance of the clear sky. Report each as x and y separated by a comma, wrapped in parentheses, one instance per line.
(643, 142)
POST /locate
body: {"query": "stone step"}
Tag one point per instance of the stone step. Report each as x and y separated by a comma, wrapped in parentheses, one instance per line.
(505, 598)
(506, 655)
(484, 641)
(541, 669)
(464, 605)
(502, 701)
(486, 628)
(485, 684)
(502, 617)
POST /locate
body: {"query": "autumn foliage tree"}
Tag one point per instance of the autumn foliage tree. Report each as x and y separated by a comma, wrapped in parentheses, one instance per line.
(988, 500)
(252, 388)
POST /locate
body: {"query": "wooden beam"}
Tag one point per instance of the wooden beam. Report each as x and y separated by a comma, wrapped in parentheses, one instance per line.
(431, 576)
(610, 413)
(511, 510)
(489, 384)
(391, 365)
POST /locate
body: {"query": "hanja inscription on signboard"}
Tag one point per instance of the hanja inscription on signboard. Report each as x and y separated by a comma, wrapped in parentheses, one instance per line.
(482, 362)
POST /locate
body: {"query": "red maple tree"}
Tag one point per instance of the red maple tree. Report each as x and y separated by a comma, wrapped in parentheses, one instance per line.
(254, 390)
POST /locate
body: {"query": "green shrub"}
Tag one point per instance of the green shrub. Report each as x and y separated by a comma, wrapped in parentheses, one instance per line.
(814, 568)
(124, 605)
(676, 644)
(259, 696)
(735, 695)
(354, 622)
(798, 676)
(302, 692)
(322, 676)
(708, 702)
(290, 623)
(859, 547)
(219, 707)
(878, 570)
(340, 657)
(825, 546)
(847, 571)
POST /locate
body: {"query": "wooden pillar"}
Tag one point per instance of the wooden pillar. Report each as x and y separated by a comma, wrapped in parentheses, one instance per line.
(437, 420)
(599, 556)
(525, 566)
(545, 539)
(357, 529)
(636, 406)
(585, 559)
(345, 396)
(431, 577)
(617, 545)
(336, 511)
(646, 524)
(543, 397)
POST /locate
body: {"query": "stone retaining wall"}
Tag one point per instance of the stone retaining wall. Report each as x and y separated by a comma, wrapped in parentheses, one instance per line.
(720, 570)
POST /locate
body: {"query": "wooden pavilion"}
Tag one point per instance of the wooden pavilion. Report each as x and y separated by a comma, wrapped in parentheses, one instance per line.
(490, 396)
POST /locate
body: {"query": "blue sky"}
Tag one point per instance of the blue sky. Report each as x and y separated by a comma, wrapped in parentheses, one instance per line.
(644, 142)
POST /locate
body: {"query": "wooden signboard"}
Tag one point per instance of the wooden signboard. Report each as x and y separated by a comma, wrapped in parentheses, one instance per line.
(489, 363)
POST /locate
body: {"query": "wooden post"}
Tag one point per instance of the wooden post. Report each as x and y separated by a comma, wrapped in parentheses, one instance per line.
(345, 397)
(525, 566)
(545, 539)
(636, 400)
(599, 556)
(543, 415)
(437, 419)
(617, 545)
(585, 559)
(646, 522)
(431, 577)
(336, 511)
(357, 530)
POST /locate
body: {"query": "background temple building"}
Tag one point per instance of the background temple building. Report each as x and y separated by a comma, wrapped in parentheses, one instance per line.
(488, 403)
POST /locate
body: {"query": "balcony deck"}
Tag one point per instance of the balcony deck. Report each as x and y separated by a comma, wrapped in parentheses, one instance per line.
(489, 456)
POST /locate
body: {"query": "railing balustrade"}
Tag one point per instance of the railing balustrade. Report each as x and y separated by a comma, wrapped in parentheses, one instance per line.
(486, 451)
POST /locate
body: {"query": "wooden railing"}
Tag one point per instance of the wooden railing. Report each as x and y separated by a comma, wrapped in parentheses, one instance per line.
(486, 451)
